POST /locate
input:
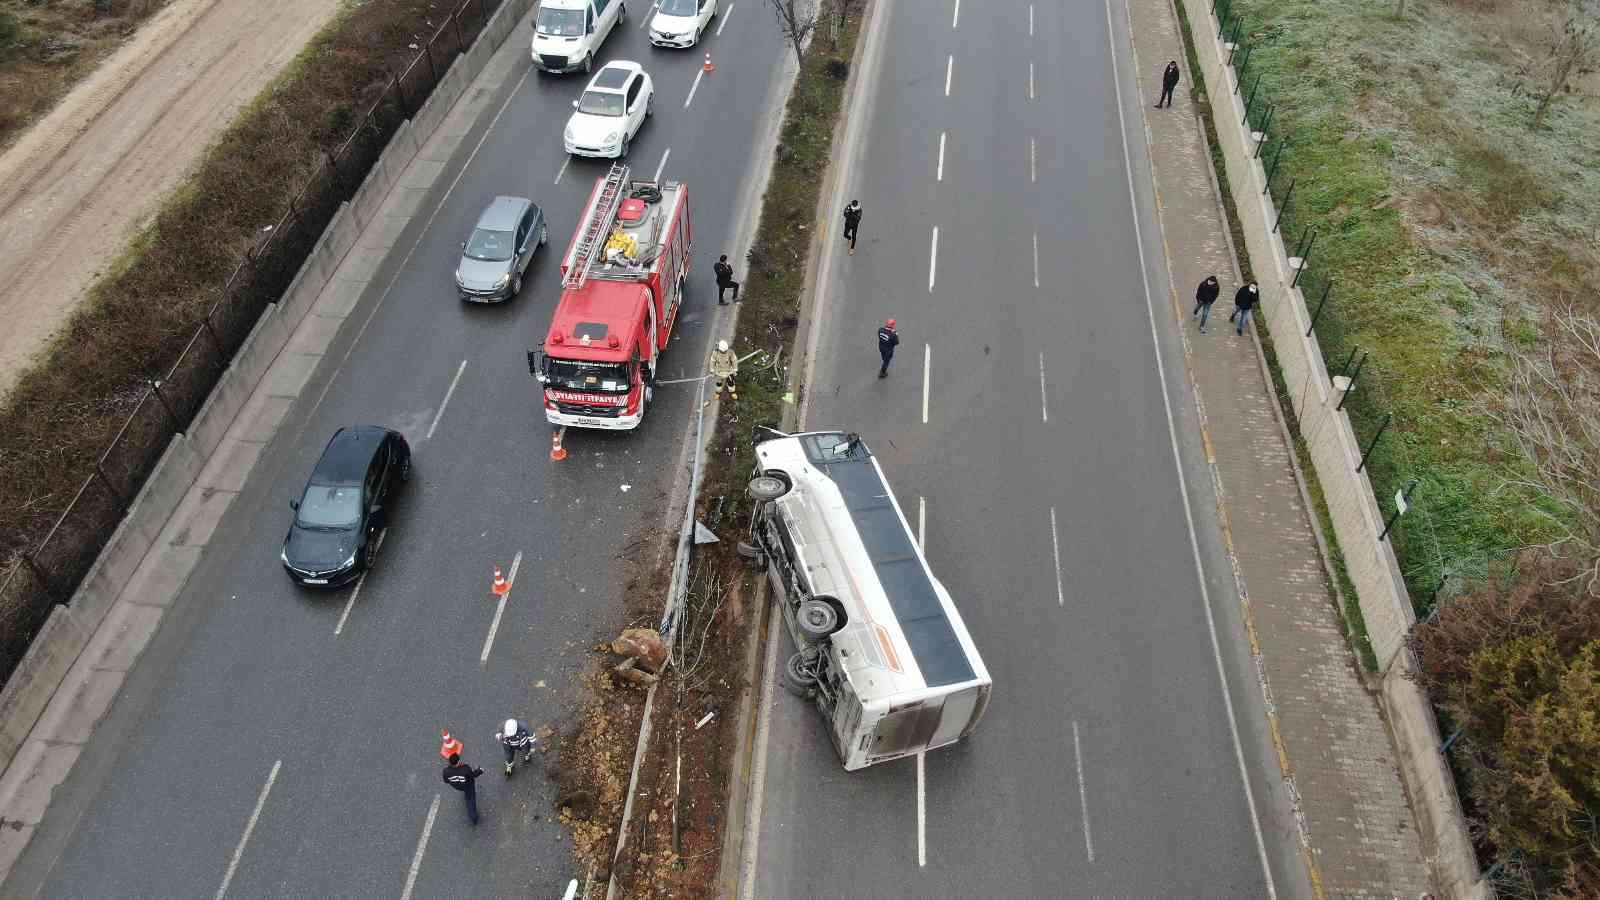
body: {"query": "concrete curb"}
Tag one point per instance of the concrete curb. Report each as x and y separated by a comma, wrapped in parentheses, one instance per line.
(76, 665)
(1350, 500)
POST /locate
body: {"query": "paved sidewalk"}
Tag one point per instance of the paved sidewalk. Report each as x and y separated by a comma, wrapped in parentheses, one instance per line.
(1356, 827)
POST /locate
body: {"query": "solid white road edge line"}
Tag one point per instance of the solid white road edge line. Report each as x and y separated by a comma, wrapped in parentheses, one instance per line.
(933, 257)
(500, 608)
(922, 812)
(356, 592)
(426, 227)
(927, 367)
(949, 70)
(1177, 464)
(1083, 792)
(422, 846)
(249, 826)
(694, 87)
(939, 173)
(1055, 547)
(1044, 398)
(662, 165)
(446, 401)
(725, 14)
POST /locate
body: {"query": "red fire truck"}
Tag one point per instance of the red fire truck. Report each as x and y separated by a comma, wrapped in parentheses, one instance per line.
(623, 281)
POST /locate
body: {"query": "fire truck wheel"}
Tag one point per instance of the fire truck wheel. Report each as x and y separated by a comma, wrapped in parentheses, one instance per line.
(767, 487)
(797, 677)
(817, 618)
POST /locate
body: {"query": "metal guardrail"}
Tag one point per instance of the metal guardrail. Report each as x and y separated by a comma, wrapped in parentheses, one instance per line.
(50, 572)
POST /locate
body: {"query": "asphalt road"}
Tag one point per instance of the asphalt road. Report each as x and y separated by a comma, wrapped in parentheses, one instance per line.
(1026, 418)
(248, 679)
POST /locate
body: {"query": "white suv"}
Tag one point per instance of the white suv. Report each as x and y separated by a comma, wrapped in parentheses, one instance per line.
(611, 111)
(568, 33)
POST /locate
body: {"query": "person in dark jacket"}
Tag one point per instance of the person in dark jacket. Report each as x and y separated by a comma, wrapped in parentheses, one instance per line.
(725, 280)
(852, 222)
(1169, 83)
(464, 778)
(1243, 303)
(888, 339)
(1205, 295)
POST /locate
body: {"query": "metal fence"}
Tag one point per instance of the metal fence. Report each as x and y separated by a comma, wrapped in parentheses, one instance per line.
(51, 571)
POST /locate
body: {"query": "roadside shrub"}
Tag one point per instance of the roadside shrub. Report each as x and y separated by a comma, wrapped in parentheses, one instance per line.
(1516, 666)
(10, 28)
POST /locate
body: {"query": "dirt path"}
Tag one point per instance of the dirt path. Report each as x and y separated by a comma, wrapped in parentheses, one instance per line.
(77, 186)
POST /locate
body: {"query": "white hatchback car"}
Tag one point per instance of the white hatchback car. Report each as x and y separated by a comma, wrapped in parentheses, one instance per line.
(612, 109)
(679, 23)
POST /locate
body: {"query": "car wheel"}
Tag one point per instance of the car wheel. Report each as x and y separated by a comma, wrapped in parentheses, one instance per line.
(588, 64)
(370, 555)
(623, 152)
(516, 285)
(622, 13)
(405, 471)
(544, 235)
(650, 106)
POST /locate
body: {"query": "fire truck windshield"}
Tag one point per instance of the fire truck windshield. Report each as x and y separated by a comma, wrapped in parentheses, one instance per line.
(587, 376)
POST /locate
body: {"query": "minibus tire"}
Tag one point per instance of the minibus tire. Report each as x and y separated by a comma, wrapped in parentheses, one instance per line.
(818, 618)
(795, 677)
(768, 486)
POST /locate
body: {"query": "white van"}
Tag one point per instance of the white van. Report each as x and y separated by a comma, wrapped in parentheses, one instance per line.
(568, 33)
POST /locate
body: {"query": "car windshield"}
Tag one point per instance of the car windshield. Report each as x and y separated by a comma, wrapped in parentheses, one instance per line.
(330, 506)
(583, 376)
(677, 7)
(600, 103)
(489, 245)
(560, 22)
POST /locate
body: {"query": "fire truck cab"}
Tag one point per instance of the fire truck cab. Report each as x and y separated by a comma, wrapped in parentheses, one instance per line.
(623, 280)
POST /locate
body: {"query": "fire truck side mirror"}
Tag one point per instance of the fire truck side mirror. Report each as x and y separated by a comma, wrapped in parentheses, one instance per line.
(536, 364)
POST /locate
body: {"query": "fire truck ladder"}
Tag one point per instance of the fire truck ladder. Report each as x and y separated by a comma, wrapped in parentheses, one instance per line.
(598, 227)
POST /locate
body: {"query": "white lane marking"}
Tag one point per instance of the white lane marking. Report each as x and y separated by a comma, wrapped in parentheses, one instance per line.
(1030, 79)
(725, 14)
(446, 401)
(1083, 792)
(1177, 464)
(1036, 259)
(563, 170)
(922, 813)
(1044, 398)
(922, 521)
(662, 165)
(422, 845)
(1033, 160)
(401, 269)
(949, 69)
(927, 365)
(249, 826)
(356, 592)
(1055, 547)
(1030, 20)
(648, 15)
(956, 18)
(694, 87)
(939, 175)
(500, 608)
(933, 257)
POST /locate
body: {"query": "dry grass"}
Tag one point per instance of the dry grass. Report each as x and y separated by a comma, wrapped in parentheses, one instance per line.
(48, 47)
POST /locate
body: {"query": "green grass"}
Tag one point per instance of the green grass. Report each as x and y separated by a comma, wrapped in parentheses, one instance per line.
(1433, 298)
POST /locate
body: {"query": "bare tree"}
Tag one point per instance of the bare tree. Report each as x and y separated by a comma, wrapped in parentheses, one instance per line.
(1552, 409)
(797, 19)
(1574, 46)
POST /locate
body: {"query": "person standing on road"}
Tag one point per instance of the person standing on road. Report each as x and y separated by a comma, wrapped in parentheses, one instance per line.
(1205, 295)
(1243, 303)
(464, 778)
(724, 366)
(514, 735)
(852, 223)
(888, 339)
(1169, 83)
(725, 280)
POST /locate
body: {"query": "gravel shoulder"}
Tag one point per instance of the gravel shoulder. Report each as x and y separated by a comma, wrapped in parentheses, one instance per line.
(75, 189)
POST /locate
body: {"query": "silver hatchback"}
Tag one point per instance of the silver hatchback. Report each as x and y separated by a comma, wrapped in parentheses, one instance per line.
(497, 254)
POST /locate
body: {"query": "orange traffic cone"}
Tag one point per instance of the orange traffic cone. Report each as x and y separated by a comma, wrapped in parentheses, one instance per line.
(708, 66)
(450, 746)
(500, 587)
(557, 452)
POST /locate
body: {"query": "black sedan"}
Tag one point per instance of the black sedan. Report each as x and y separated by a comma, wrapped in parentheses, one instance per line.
(334, 536)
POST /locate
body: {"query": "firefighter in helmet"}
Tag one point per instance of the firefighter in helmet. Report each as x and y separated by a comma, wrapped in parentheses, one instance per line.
(724, 366)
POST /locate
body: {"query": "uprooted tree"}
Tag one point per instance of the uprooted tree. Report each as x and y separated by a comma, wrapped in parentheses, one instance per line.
(1551, 407)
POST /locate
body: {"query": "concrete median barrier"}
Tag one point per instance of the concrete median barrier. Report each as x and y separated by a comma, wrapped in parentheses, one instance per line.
(111, 572)
(371, 194)
(34, 682)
